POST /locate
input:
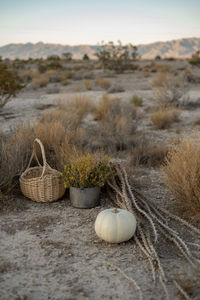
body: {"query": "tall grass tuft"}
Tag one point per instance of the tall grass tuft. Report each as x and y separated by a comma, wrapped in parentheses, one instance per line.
(182, 176)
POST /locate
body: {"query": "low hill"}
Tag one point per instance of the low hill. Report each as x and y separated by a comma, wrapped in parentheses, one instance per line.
(182, 48)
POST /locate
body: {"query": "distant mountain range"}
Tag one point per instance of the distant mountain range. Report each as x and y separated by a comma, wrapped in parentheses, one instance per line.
(182, 48)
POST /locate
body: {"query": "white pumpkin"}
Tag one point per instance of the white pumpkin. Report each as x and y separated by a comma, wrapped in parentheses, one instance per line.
(115, 225)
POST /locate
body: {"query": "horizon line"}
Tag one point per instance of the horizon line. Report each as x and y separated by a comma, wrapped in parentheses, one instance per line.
(99, 43)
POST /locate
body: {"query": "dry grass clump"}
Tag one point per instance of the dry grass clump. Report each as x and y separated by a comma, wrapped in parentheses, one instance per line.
(14, 153)
(39, 81)
(168, 88)
(146, 74)
(136, 100)
(116, 123)
(106, 106)
(76, 108)
(53, 76)
(182, 176)
(160, 80)
(164, 117)
(158, 67)
(59, 131)
(87, 83)
(58, 141)
(103, 83)
(148, 154)
(27, 75)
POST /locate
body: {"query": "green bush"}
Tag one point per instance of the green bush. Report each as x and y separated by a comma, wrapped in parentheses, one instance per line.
(86, 57)
(9, 84)
(117, 57)
(195, 60)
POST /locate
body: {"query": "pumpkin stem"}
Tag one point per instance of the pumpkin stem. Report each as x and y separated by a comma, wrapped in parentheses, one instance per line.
(115, 210)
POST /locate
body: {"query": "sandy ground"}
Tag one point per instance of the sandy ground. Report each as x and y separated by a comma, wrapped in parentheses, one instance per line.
(51, 251)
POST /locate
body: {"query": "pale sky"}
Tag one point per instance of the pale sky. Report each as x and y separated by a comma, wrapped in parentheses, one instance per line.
(73, 22)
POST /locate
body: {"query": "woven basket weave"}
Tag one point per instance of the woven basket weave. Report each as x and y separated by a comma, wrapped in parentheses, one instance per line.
(41, 183)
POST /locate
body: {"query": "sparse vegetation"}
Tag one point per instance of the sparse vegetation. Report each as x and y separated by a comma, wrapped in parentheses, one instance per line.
(117, 57)
(195, 60)
(148, 154)
(168, 89)
(182, 176)
(116, 124)
(87, 83)
(121, 128)
(39, 81)
(164, 117)
(9, 84)
(137, 101)
(14, 153)
(103, 83)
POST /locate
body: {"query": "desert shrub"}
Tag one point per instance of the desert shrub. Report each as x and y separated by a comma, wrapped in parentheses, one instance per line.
(58, 140)
(58, 129)
(146, 74)
(105, 105)
(164, 116)
(148, 154)
(182, 176)
(103, 83)
(39, 81)
(27, 75)
(157, 67)
(168, 89)
(53, 76)
(195, 60)
(14, 154)
(48, 64)
(197, 122)
(117, 57)
(9, 84)
(76, 108)
(170, 58)
(160, 80)
(87, 83)
(65, 82)
(67, 56)
(157, 57)
(136, 100)
(160, 68)
(67, 74)
(53, 90)
(116, 124)
(86, 57)
(116, 89)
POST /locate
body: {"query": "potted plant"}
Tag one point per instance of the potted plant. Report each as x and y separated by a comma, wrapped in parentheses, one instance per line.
(85, 176)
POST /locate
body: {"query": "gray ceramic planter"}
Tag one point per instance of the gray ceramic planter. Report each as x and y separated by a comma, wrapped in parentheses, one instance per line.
(84, 197)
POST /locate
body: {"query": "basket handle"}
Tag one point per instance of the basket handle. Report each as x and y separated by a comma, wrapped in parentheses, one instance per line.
(34, 155)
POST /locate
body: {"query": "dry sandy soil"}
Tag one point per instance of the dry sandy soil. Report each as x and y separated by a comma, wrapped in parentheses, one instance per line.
(51, 251)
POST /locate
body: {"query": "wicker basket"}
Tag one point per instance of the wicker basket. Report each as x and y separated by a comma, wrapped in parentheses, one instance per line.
(41, 183)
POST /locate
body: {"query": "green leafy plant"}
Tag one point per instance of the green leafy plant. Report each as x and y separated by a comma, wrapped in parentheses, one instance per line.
(87, 170)
(9, 84)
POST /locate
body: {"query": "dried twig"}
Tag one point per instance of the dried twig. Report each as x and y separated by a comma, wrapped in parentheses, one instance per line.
(148, 212)
(128, 278)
